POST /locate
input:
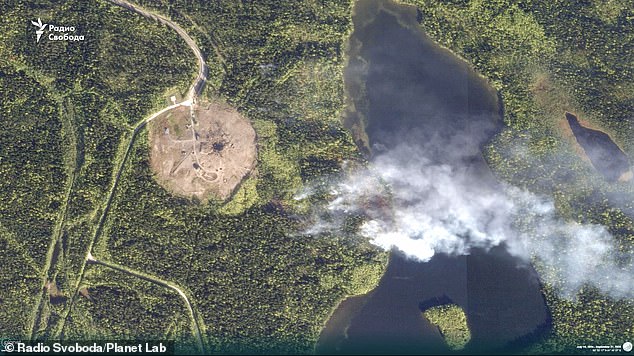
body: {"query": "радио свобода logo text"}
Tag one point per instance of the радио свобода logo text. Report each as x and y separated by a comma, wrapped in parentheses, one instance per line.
(56, 33)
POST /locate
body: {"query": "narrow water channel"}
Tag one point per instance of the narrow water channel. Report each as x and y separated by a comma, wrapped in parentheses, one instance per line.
(404, 89)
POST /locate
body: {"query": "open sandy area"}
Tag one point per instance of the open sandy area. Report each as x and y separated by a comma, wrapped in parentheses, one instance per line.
(205, 155)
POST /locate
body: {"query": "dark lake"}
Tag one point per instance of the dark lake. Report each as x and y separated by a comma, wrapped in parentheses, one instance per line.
(605, 155)
(404, 88)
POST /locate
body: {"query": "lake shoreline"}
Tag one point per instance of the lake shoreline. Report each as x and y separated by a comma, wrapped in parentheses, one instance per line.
(360, 82)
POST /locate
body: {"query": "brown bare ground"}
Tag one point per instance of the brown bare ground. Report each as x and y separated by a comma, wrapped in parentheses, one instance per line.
(208, 161)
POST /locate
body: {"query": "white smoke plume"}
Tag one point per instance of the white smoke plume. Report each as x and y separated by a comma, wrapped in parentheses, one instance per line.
(423, 208)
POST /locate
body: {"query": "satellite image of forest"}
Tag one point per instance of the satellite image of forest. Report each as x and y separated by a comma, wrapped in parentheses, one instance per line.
(316, 177)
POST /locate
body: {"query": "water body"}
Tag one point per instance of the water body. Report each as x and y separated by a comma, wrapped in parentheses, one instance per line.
(606, 157)
(404, 88)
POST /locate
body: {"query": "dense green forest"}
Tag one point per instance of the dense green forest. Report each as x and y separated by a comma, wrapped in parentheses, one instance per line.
(452, 323)
(67, 107)
(256, 282)
(116, 306)
(31, 168)
(546, 58)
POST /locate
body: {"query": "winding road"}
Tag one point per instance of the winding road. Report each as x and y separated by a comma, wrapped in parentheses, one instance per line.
(191, 101)
(193, 315)
(198, 83)
(203, 70)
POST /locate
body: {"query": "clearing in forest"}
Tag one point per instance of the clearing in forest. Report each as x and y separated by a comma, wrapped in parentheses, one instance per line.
(205, 155)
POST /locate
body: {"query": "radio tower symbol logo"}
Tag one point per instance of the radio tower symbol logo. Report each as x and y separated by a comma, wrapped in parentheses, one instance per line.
(40, 30)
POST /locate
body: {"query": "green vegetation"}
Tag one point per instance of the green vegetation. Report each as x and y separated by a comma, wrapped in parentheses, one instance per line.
(257, 284)
(590, 317)
(251, 274)
(452, 323)
(546, 58)
(31, 168)
(67, 107)
(116, 306)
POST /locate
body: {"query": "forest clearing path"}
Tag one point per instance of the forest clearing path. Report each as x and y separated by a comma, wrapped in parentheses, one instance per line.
(192, 313)
(190, 100)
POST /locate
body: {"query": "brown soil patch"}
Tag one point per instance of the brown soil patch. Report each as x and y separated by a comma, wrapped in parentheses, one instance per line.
(207, 160)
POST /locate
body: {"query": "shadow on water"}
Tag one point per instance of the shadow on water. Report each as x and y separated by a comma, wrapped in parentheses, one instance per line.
(405, 88)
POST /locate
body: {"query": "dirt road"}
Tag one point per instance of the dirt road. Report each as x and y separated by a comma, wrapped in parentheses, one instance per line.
(156, 280)
(191, 98)
(199, 83)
